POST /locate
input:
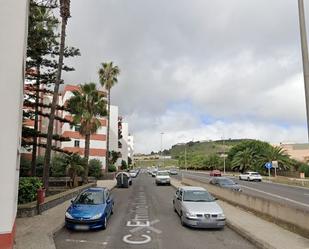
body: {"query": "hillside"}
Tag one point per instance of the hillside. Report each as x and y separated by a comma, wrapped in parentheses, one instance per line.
(202, 148)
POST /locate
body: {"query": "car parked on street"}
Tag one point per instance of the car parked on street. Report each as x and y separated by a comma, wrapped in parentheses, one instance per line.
(225, 182)
(250, 176)
(154, 172)
(215, 172)
(198, 208)
(173, 172)
(133, 173)
(90, 210)
(163, 177)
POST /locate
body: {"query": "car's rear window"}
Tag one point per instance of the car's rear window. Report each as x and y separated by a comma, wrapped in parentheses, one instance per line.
(90, 198)
(162, 173)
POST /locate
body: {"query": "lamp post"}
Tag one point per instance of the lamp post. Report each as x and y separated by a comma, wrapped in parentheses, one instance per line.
(162, 133)
(304, 49)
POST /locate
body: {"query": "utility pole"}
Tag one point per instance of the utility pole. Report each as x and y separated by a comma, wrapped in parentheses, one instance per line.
(161, 147)
(304, 48)
(186, 157)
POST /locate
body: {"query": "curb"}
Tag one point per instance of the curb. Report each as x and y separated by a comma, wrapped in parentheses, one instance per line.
(244, 233)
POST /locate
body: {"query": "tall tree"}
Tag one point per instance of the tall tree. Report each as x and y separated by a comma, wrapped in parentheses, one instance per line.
(64, 14)
(42, 47)
(108, 74)
(243, 160)
(86, 106)
(272, 153)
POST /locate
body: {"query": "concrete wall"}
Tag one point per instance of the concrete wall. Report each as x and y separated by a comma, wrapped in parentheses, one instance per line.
(13, 25)
(297, 218)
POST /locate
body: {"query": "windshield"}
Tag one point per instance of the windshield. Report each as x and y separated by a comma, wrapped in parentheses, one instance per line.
(255, 174)
(90, 198)
(197, 196)
(226, 181)
(162, 173)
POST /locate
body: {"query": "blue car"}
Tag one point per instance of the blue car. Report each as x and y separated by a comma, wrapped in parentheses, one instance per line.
(90, 210)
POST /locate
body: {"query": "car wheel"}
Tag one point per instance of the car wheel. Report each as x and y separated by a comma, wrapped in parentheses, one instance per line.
(248, 179)
(104, 223)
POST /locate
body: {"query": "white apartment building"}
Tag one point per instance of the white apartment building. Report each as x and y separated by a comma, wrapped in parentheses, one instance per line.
(13, 23)
(130, 146)
(77, 143)
(98, 141)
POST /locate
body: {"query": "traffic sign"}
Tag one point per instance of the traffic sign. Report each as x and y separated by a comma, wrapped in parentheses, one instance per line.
(274, 164)
(268, 165)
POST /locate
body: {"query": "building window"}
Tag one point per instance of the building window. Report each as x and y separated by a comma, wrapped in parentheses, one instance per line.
(76, 143)
(76, 128)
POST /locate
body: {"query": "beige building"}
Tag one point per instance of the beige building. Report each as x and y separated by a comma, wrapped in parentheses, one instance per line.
(299, 152)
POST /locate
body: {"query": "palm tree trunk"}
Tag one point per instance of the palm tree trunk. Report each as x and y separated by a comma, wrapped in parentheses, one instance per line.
(108, 127)
(87, 152)
(64, 10)
(36, 121)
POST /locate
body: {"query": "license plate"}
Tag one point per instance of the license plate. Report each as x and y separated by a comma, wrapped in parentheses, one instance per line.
(81, 227)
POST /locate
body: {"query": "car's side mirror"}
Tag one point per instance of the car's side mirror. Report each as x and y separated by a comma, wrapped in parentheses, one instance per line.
(108, 201)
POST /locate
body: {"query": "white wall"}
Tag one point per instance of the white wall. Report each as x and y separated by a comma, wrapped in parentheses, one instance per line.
(124, 141)
(13, 26)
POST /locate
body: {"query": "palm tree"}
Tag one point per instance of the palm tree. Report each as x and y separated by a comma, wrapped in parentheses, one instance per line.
(65, 14)
(272, 153)
(75, 168)
(86, 106)
(243, 160)
(108, 78)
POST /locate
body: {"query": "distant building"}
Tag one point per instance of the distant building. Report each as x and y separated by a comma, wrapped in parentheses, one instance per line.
(298, 152)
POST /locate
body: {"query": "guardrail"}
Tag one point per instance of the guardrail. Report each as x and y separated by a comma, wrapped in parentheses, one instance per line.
(296, 219)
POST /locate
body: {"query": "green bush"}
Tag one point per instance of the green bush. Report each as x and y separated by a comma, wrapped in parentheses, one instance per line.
(25, 167)
(28, 187)
(112, 168)
(59, 165)
(124, 165)
(305, 169)
(95, 168)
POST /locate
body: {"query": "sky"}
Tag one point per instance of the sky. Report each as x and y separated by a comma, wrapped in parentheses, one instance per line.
(198, 69)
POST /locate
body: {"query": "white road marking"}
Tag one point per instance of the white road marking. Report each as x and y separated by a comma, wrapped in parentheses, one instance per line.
(277, 196)
(85, 241)
(263, 192)
(148, 227)
(137, 242)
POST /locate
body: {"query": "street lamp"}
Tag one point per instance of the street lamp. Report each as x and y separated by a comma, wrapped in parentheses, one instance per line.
(162, 133)
(304, 49)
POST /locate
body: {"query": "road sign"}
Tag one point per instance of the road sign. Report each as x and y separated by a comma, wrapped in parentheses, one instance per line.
(268, 165)
(274, 164)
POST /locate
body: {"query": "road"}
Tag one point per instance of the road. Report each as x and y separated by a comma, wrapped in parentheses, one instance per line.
(288, 195)
(154, 203)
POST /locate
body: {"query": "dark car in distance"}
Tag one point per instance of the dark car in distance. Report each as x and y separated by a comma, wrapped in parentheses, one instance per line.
(225, 182)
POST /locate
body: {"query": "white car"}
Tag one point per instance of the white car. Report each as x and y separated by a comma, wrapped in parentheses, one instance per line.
(163, 177)
(250, 176)
(133, 173)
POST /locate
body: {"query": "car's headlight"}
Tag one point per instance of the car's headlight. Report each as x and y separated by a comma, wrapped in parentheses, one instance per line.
(97, 216)
(221, 216)
(191, 216)
(67, 215)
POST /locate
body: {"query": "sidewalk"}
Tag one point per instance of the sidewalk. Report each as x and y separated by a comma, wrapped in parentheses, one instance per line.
(260, 232)
(37, 232)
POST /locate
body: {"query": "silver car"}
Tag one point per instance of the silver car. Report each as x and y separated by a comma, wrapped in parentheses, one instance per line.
(197, 208)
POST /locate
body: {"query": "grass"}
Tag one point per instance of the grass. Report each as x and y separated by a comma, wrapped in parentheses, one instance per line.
(156, 162)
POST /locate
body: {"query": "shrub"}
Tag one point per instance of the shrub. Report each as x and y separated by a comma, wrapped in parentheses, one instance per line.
(112, 168)
(28, 187)
(305, 169)
(124, 165)
(25, 167)
(95, 168)
(59, 165)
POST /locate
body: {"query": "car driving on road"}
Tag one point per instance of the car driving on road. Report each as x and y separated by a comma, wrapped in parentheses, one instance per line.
(90, 210)
(250, 176)
(225, 182)
(198, 208)
(215, 172)
(163, 177)
(133, 173)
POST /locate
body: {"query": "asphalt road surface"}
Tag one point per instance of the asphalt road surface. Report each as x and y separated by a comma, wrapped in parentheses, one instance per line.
(148, 202)
(288, 195)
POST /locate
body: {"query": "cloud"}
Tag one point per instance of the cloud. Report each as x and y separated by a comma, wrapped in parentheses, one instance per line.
(196, 69)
